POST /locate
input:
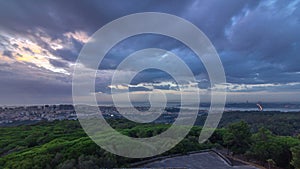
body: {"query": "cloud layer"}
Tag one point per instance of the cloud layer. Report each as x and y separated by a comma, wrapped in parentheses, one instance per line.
(258, 43)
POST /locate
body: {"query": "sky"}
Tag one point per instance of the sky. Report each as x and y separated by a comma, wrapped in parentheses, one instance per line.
(258, 43)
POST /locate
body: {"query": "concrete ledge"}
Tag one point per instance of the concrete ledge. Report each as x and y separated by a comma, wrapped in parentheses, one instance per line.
(140, 163)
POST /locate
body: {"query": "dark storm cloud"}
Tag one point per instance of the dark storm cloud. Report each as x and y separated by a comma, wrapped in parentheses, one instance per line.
(258, 41)
(63, 16)
(27, 49)
(15, 89)
(266, 42)
(5, 65)
(163, 87)
(7, 53)
(134, 89)
(123, 49)
(212, 17)
(57, 63)
(57, 18)
(151, 76)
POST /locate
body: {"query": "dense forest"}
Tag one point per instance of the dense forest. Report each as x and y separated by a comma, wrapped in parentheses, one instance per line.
(63, 144)
(280, 123)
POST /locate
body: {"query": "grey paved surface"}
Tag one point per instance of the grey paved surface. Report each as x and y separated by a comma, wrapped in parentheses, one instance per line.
(206, 160)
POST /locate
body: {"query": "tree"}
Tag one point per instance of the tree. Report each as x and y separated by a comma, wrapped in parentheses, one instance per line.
(270, 163)
(267, 147)
(218, 136)
(238, 137)
(296, 157)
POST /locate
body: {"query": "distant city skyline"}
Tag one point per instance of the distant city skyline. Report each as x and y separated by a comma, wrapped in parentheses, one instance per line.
(258, 43)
